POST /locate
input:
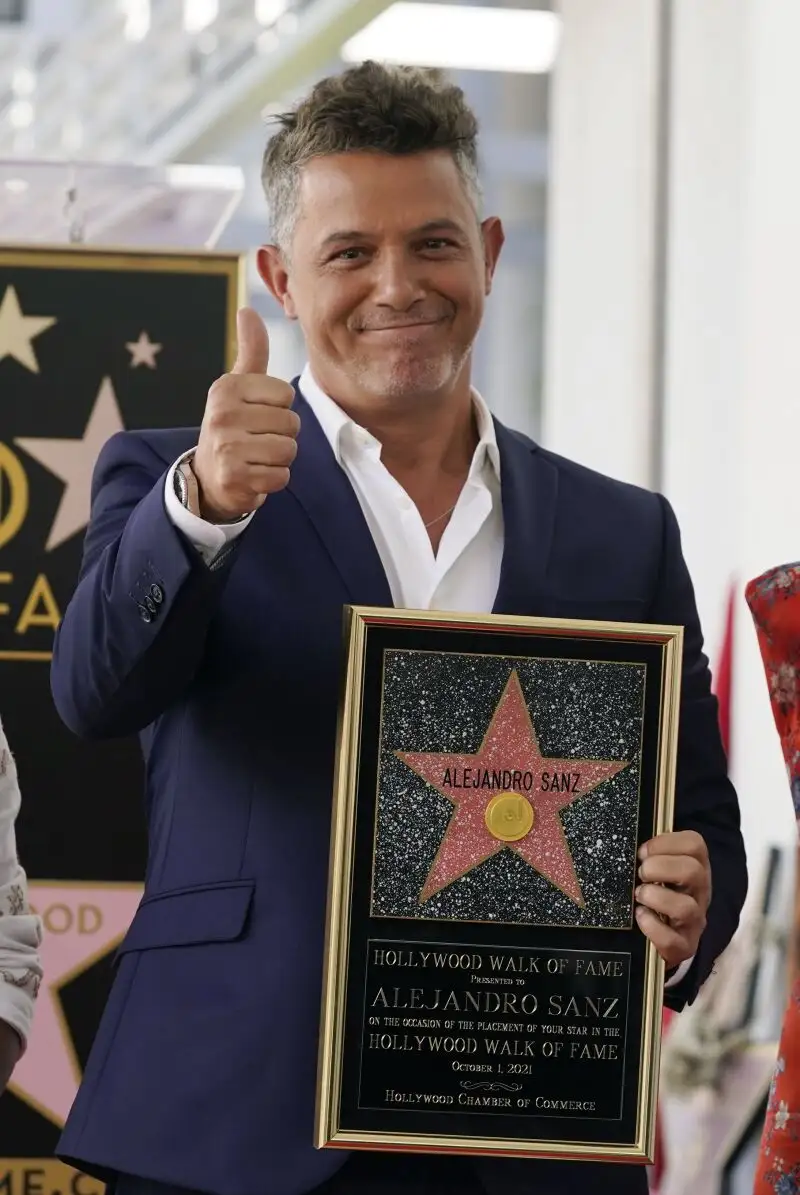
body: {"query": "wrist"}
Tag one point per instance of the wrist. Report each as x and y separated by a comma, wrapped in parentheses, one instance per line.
(190, 492)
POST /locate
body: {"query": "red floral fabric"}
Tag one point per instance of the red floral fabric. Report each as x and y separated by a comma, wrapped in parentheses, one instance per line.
(774, 601)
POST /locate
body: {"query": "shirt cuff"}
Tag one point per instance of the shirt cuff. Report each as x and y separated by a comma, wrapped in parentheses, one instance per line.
(679, 974)
(208, 539)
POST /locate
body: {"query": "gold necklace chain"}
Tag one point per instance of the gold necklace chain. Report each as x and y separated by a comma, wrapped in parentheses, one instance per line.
(439, 518)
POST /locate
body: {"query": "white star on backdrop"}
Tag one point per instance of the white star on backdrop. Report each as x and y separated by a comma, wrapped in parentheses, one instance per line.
(143, 351)
(73, 462)
(18, 330)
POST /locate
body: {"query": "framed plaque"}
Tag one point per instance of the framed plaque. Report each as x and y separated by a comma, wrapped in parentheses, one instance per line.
(487, 989)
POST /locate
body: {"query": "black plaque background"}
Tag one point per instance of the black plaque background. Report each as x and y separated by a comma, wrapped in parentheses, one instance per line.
(574, 1128)
(562, 1075)
(82, 814)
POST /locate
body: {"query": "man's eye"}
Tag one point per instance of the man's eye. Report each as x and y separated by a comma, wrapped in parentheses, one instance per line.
(435, 243)
(347, 255)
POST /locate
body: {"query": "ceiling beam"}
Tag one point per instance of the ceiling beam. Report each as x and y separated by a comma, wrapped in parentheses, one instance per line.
(323, 27)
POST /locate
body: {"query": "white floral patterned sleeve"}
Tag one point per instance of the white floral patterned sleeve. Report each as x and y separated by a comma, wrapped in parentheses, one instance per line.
(20, 930)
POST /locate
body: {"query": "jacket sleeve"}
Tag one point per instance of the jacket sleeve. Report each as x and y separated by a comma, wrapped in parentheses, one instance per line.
(705, 799)
(133, 634)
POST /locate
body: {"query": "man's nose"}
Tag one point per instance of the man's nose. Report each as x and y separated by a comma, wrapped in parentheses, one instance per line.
(397, 281)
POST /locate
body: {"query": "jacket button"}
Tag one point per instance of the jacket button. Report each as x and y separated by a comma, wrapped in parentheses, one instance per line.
(145, 614)
(157, 594)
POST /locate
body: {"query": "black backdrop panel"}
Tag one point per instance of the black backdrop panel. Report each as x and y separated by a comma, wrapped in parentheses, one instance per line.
(91, 343)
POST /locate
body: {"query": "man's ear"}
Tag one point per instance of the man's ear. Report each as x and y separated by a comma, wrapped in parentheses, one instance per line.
(493, 239)
(273, 271)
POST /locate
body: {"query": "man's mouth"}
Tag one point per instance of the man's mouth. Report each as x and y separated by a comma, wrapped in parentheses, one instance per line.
(406, 326)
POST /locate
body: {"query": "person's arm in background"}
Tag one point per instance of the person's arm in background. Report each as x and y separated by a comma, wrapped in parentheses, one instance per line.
(20, 930)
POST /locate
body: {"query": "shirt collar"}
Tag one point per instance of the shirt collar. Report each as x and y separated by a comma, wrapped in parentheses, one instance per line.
(338, 426)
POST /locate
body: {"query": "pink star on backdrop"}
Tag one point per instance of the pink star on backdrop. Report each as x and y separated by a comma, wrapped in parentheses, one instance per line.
(82, 923)
(510, 745)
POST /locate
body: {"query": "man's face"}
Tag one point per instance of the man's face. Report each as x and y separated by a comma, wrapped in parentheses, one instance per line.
(387, 274)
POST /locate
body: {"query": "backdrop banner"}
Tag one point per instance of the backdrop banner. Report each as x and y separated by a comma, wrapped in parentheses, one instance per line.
(91, 343)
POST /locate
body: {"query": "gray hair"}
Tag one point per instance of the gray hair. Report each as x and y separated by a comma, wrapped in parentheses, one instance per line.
(371, 107)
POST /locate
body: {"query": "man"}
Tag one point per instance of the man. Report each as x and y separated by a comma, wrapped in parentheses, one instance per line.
(20, 930)
(208, 618)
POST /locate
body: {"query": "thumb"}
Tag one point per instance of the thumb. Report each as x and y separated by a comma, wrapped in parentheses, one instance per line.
(253, 342)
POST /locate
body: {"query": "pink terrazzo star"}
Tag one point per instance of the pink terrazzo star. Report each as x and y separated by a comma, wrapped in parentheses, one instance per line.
(509, 761)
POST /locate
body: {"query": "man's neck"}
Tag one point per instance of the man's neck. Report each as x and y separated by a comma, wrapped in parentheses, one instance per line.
(427, 444)
(430, 440)
(427, 433)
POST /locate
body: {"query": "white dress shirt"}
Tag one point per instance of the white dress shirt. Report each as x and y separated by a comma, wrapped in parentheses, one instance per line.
(20, 930)
(465, 572)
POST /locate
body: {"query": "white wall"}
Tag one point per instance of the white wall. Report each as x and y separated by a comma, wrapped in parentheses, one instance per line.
(726, 437)
(769, 414)
(733, 376)
(599, 346)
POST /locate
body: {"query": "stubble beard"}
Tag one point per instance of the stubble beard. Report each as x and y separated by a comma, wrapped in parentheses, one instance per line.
(409, 377)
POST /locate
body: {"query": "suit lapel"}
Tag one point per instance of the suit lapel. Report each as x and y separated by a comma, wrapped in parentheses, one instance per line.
(324, 491)
(529, 488)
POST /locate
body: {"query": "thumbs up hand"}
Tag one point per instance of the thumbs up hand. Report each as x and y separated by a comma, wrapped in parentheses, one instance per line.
(248, 438)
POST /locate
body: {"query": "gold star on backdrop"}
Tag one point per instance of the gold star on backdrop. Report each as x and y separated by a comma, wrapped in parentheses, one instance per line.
(17, 331)
(143, 351)
(73, 461)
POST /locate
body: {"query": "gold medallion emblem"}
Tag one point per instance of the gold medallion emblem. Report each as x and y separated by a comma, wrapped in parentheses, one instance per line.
(509, 817)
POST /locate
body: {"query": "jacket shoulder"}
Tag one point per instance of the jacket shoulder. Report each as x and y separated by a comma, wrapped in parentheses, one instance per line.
(581, 484)
(144, 455)
(617, 531)
(575, 474)
(164, 444)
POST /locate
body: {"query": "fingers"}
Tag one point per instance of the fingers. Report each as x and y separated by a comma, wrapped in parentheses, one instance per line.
(674, 897)
(227, 419)
(243, 453)
(267, 479)
(271, 450)
(239, 399)
(242, 392)
(279, 421)
(680, 909)
(253, 343)
(682, 871)
(247, 489)
(679, 842)
(679, 859)
(673, 946)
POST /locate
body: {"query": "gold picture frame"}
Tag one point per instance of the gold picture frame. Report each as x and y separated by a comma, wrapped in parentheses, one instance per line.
(355, 922)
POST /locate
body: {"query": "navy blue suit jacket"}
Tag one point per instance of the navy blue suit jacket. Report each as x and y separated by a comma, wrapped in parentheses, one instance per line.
(203, 1070)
